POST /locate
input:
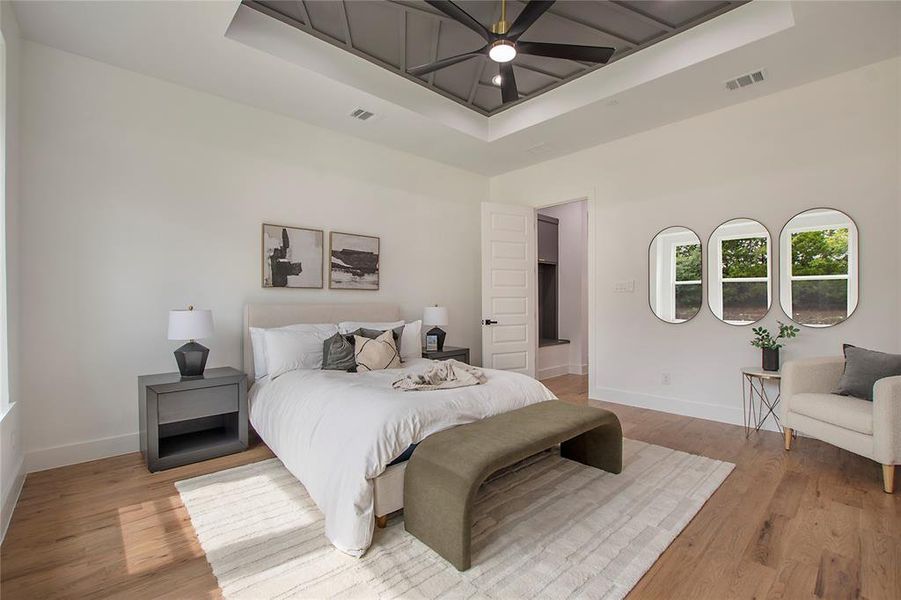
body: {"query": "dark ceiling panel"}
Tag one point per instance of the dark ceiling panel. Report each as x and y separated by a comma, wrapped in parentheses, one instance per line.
(607, 17)
(458, 79)
(401, 34)
(487, 99)
(369, 22)
(675, 13)
(327, 18)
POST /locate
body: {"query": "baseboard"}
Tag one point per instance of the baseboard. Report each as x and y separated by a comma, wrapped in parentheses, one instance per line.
(70, 454)
(578, 369)
(733, 415)
(12, 497)
(549, 372)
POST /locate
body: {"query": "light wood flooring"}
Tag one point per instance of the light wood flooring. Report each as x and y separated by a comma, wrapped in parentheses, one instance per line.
(812, 522)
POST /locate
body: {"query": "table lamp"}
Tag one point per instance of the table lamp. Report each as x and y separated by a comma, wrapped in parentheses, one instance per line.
(191, 324)
(437, 316)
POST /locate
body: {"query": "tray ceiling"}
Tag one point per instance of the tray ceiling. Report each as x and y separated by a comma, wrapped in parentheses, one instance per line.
(400, 34)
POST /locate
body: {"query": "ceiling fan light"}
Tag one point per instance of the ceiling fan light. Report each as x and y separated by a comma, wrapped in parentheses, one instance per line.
(502, 51)
(497, 79)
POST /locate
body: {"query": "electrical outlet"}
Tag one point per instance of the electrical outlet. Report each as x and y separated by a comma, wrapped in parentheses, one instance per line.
(665, 379)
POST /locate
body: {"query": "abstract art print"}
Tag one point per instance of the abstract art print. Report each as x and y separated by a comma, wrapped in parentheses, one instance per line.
(292, 257)
(354, 261)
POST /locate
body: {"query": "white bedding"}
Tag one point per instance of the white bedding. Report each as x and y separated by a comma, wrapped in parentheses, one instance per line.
(336, 431)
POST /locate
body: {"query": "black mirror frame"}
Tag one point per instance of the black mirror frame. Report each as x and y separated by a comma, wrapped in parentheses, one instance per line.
(774, 290)
(856, 253)
(703, 287)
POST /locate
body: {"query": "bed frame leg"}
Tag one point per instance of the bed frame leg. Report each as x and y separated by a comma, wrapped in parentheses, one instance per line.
(381, 522)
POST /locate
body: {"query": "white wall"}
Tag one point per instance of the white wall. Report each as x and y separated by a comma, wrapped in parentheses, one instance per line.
(11, 450)
(831, 143)
(143, 196)
(572, 276)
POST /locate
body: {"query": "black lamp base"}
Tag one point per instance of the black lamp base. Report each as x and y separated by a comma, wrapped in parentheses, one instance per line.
(191, 359)
(440, 334)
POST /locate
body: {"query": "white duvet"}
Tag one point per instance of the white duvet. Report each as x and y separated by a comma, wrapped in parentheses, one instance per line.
(337, 431)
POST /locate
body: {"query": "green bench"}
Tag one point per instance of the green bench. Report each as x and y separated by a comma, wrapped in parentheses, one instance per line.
(447, 468)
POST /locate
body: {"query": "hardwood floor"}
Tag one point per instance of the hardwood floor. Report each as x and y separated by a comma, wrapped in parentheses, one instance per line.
(809, 523)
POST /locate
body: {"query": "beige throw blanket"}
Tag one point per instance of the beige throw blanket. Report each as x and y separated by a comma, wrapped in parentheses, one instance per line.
(443, 375)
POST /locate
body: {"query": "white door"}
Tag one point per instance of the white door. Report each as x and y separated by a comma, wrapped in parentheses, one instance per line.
(509, 292)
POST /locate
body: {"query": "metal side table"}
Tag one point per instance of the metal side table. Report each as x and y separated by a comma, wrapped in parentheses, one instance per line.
(756, 402)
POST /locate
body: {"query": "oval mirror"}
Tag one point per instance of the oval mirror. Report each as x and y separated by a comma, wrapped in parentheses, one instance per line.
(818, 268)
(739, 282)
(674, 274)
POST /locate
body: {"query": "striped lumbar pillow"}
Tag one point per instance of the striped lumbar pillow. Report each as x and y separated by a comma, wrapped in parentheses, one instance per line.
(375, 355)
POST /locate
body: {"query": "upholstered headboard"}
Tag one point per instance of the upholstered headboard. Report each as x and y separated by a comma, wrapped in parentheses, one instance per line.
(279, 315)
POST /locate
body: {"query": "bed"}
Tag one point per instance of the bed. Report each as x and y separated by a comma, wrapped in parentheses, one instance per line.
(339, 433)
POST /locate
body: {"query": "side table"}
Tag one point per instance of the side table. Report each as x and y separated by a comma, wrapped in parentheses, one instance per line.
(755, 399)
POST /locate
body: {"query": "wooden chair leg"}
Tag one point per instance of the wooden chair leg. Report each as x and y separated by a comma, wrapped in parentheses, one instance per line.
(381, 522)
(888, 478)
(788, 438)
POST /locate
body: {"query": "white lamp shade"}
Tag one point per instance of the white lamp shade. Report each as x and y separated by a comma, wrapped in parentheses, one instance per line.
(190, 324)
(435, 315)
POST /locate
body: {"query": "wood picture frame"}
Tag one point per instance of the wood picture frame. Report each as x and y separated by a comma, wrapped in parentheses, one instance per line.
(284, 250)
(353, 261)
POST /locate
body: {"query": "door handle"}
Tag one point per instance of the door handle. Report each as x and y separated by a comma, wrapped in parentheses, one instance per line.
(489, 322)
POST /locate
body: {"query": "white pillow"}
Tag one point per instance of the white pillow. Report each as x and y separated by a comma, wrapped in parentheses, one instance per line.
(410, 340)
(296, 347)
(258, 345)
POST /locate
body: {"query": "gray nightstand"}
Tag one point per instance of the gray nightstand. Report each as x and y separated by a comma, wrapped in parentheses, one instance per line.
(184, 421)
(461, 354)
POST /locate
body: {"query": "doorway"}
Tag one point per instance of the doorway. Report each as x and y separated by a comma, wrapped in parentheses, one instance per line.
(562, 289)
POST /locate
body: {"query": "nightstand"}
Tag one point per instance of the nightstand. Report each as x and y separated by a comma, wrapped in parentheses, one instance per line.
(461, 354)
(184, 421)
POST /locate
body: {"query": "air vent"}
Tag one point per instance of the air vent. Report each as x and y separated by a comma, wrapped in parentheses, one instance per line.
(745, 80)
(362, 114)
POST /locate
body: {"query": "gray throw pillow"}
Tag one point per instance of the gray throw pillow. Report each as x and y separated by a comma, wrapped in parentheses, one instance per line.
(396, 333)
(338, 354)
(863, 368)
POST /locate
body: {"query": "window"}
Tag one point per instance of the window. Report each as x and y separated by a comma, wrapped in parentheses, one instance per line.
(739, 273)
(744, 277)
(675, 288)
(819, 276)
(687, 283)
(818, 267)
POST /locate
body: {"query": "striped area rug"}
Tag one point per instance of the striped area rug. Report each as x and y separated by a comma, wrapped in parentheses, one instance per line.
(551, 529)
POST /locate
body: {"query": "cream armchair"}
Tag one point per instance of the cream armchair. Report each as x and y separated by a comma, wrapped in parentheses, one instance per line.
(871, 429)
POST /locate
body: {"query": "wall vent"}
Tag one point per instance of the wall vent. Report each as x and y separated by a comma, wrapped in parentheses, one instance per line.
(362, 114)
(745, 80)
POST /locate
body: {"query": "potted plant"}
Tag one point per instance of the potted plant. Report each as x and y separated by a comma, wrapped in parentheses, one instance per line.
(770, 345)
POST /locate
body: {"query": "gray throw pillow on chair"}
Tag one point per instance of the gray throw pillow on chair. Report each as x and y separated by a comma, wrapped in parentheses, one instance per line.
(863, 368)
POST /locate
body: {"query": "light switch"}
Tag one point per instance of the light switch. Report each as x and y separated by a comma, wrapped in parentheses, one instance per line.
(624, 287)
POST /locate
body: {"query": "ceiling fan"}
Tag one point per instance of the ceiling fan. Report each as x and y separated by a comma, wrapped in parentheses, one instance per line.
(503, 43)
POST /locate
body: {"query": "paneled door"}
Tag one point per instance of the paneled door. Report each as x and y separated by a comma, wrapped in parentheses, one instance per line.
(509, 292)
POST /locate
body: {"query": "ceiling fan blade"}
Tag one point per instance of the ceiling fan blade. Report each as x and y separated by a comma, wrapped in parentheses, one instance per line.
(444, 62)
(528, 16)
(461, 16)
(598, 54)
(509, 93)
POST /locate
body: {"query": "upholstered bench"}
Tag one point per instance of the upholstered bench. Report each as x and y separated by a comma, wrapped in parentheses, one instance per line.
(445, 472)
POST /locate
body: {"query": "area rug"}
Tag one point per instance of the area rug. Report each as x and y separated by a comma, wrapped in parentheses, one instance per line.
(551, 529)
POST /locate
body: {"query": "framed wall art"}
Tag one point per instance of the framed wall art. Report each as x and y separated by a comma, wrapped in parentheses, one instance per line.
(353, 261)
(292, 257)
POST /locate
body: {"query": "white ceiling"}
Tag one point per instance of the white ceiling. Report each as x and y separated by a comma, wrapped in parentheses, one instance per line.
(201, 45)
